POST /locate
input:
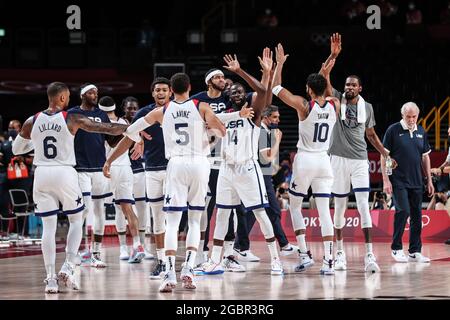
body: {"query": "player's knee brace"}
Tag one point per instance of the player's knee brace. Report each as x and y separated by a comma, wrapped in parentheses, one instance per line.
(193, 235)
(222, 220)
(298, 222)
(340, 205)
(159, 218)
(323, 207)
(362, 203)
(264, 223)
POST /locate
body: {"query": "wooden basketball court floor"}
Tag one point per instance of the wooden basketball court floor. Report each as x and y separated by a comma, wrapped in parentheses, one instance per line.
(22, 278)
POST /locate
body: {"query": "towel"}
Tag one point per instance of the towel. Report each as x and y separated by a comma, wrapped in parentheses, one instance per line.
(361, 109)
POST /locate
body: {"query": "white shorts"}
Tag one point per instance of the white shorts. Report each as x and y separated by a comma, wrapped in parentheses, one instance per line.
(54, 185)
(311, 169)
(139, 193)
(94, 184)
(155, 183)
(349, 171)
(186, 183)
(122, 184)
(241, 182)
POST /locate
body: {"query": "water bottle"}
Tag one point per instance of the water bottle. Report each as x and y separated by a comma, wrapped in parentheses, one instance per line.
(388, 166)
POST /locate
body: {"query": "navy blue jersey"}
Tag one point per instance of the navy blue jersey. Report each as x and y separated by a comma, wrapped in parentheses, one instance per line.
(154, 153)
(90, 147)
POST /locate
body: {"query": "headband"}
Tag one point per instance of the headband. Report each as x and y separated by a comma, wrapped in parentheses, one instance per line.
(212, 74)
(87, 88)
(106, 108)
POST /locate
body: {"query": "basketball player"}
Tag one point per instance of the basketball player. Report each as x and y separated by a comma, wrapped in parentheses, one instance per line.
(240, 177)
(130, 106)
(51, 134)
(348, 150)
(122, 187)
(90, 155)
(184, 123)
(155, 168)
(311, 164)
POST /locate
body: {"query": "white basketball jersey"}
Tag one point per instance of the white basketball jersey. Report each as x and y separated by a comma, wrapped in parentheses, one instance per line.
(314, 132)
(184, 130)
(240, 143)
(122, 160)
(52, 140)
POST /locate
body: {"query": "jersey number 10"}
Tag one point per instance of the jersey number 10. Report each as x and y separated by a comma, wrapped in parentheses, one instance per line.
(321, 132)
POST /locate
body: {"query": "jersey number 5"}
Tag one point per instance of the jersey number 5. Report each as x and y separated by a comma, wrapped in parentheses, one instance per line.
(321, 132)
(50, 151)
(183, 135)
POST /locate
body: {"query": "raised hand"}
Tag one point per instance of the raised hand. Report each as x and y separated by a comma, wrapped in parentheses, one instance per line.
(246, 113)
(326, 69)
(266, 61)
(335, 44)
(280, 57)
(232, 63)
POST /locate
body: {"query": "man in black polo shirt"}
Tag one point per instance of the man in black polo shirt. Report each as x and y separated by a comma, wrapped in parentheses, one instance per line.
(407, 143)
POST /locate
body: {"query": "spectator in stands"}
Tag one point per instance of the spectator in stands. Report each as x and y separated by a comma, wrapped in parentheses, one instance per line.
(353, 11)
(413, 15)
(445, 14)
(268, 19)
(25, 183)
(381, 201)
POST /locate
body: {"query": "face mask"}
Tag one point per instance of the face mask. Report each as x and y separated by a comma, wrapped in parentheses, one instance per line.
(272, 126)
(12, 133)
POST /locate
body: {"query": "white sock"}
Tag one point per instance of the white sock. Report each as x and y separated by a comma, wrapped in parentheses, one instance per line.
(340, 245)
(302, 243)
(136, 242)
(122, 239)
(216, 254)
(96, 246)
(170, 263)
(273, 250)
(190, 258)
(142, 237)
(369, 247)
(49, 242)
(328, 250)
(200, 246)
(160, 253)
(50, 268)
(228, 248)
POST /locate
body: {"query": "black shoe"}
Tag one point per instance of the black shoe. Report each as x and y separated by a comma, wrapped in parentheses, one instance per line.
(158, 270)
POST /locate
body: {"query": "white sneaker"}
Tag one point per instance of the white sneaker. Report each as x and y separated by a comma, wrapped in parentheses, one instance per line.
(229, 264)
(327, 268)
(276, 267)
(169, 282)
(51, 285)
(418, 257)
(96, 261)
(187, 278)
(68, 277)
(340, 262)
(399, 256)
(247, 256)
(124, 255)
(306, 261)
(148, 255)
(200, 259)
(288, 250)
(209, 268)
(370, 263)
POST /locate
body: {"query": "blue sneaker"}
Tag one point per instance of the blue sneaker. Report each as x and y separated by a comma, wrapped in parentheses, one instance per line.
(137, 255)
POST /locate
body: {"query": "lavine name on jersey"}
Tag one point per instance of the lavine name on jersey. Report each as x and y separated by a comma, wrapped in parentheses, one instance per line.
(181, 113)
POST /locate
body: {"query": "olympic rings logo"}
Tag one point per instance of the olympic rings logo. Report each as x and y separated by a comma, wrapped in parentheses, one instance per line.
(425, 221)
